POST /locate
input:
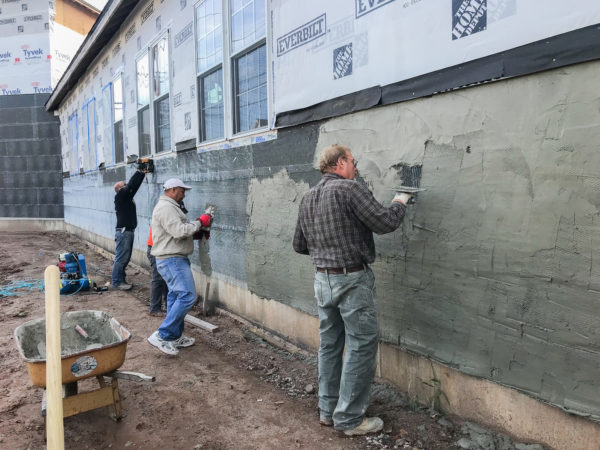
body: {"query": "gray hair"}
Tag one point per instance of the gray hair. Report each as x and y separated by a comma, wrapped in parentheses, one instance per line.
(330, 156)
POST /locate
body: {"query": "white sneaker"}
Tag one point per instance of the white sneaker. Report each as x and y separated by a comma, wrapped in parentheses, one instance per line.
(167, 347)
(368, 425)
(183, 341)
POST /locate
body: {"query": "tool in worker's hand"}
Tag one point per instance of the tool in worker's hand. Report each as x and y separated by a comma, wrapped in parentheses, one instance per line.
(408, 190)
(206, 220)
(411, 179)
(146, 165)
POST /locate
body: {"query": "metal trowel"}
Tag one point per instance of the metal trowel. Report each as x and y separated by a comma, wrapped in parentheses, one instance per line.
(411, 179)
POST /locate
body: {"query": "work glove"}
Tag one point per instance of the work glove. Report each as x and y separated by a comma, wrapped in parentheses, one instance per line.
(404, 198)
(206, 221)
(146, 165)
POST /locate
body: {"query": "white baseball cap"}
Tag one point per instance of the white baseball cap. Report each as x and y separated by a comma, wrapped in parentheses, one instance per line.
(173, 183)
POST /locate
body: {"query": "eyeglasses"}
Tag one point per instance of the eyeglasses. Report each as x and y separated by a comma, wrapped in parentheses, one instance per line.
(354, 161)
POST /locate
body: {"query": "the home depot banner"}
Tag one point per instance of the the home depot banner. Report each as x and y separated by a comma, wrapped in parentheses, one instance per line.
(322, 50)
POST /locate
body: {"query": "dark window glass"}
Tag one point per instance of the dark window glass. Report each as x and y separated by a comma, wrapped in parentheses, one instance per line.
(144, 131)
(119, 152)
(163, 124)
(211, 106)
(251, 90)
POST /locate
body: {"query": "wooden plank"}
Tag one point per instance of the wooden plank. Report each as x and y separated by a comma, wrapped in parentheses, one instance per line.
(201, 323)
(55, 432)
(87, 401)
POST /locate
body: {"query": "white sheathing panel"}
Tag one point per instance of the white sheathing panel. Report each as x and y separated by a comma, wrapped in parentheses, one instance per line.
(322, 50)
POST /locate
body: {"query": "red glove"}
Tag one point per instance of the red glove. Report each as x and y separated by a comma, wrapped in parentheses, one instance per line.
(205, 220)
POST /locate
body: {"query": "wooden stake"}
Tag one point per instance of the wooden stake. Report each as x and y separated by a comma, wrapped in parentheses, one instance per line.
(54, 416)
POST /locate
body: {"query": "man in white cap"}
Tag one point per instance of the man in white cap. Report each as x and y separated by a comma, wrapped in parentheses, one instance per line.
(173, 237)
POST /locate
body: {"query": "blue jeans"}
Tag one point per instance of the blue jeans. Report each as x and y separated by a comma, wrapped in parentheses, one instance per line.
(124, 246)
(347, 316)
(158, 293)
(177, 273)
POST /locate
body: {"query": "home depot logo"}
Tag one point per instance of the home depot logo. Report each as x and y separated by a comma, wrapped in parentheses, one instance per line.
(468, 17)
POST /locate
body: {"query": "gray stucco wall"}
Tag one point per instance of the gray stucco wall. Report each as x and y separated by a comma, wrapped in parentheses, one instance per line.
(30, 158)
(493, 270)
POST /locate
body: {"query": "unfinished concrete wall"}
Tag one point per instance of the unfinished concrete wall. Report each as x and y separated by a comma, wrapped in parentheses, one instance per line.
(30, 158)
(492, 272)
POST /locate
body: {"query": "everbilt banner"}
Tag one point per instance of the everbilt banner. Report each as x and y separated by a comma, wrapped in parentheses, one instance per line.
(322, 50)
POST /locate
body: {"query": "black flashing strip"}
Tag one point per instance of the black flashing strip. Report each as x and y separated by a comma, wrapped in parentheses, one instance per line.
(357, 101)
(569, 48)
(183, 146)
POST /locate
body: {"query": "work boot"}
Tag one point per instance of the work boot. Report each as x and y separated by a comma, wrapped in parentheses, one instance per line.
(164, 346)
(124, 287)
(183, 341)
(326, 422)
(368, 425)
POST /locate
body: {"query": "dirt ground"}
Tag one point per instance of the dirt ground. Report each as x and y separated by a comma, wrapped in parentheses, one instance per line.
(232, 389)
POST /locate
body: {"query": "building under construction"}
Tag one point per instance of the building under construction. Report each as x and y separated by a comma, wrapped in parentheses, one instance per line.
(488, 293)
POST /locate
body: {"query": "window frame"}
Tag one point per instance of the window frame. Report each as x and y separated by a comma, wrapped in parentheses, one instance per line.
(154, 99)
(118, 75)
(209, 71)
(234, 85)
(109, 86)
(145, 53)
(229, 59)
(74, 142)
(91, 101)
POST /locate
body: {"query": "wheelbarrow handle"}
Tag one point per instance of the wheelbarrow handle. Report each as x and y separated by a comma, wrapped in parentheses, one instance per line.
(131, 376)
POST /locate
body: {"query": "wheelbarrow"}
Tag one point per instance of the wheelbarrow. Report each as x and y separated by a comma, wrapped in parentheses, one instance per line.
(93, 344)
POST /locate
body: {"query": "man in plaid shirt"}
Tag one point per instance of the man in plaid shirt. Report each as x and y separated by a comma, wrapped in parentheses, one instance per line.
(335, 226)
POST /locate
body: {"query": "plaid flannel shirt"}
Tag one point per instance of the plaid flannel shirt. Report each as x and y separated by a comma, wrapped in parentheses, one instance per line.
(336, 222)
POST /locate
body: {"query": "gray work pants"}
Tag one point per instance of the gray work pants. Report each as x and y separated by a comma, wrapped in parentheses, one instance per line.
(347, 316)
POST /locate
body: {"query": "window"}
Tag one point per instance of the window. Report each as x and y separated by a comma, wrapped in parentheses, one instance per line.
(250, 75)
(209, 67)
(160, 91)
(249, 64)
(143, 105)
(74, 144)
(231, 70)
(107, 130)
(118, 119)
(90, 160)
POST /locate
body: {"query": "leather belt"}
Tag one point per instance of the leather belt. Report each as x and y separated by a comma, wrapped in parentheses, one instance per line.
(338, 270)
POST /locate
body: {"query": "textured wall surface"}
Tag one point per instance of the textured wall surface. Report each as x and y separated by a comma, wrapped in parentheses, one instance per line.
(492, 272)
(30, 158)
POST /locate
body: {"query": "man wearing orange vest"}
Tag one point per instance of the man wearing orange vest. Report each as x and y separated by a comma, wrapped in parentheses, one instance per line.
(159, 291)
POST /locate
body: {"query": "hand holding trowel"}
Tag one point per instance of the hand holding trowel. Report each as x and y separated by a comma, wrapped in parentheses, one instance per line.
(411, 178)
